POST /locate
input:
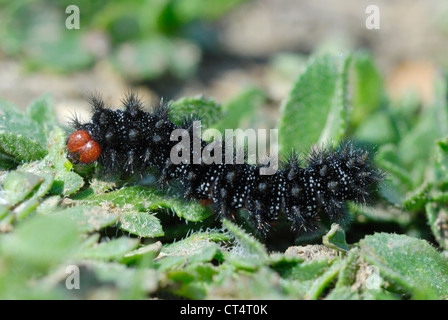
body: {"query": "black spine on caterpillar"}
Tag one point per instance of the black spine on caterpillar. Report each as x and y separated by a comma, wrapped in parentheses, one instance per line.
(133, 140)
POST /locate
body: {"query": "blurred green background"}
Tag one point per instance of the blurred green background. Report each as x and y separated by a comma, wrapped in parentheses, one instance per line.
(176, 48)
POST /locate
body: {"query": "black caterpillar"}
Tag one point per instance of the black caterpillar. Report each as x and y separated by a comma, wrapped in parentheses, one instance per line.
(131, 141)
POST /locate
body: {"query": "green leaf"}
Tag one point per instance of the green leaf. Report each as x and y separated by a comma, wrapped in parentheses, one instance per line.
(417, 199)
(4, 210)
(67, 183)
(16, 148)
(191, 211)
(442, 158)
(187, 282)
(316, 108)
(21, 138)
(40, 242)
(367, 87)
(440, 104)
(240, 112)
(249, 244)
(113, 280)
(196, 248)
(18, 185)
(142, 224)
(175, 256)
(13, 121)
(438, 221)
(89, 218)
(411, 263)
(307, 271)
(381, 214)
(263, 284)
(427, 131)
(114, 249)
(41, 110)
(398, 180)
(335, 238)
(441, 161)
(322, 282)
(207, 109)
(194, 244)
(57, 151)
(368, 129)
(348, 270)
(29, 205)
(146, 252)
(247, 253)
(144, 199)
(424, 135)
(24, 195)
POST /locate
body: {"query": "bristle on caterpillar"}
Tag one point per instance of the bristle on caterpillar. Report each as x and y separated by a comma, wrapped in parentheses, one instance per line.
(131, 141)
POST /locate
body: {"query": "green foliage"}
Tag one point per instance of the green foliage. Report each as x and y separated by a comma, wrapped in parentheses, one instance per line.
(335, 238)
(367, 88)
(310, 115)
(40, 243)
(206, 109)
(240, 112)
(132, 239)
(408, 262)
(21, 137)
(143, 40)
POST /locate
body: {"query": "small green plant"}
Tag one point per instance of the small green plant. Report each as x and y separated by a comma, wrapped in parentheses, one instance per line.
(130, 239)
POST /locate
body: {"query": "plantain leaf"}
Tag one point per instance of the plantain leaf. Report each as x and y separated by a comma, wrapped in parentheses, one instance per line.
(241, 111)
(248, 253)
(41, 110)
(89, 218)
(40, 242)
(335, 238)
(18, 185)
(114, 249)
(142, 224)
(409, 262)
(207, 109)
(316, 109)
(143, 199)
(21, 138)
(367, 87)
